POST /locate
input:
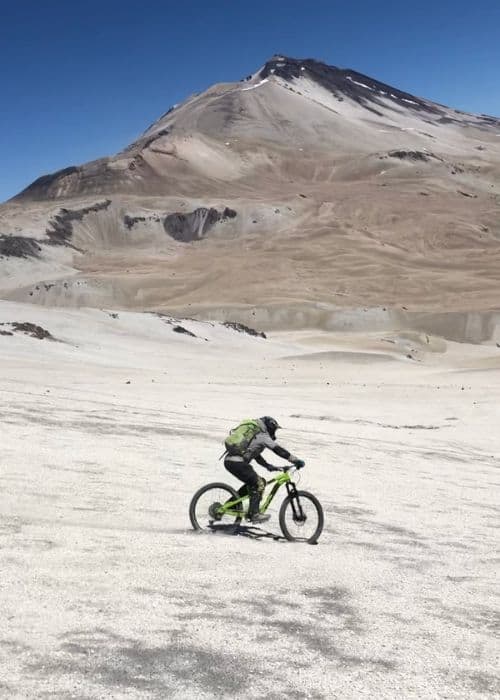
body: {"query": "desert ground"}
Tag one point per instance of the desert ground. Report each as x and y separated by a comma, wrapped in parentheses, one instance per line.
(110, 426)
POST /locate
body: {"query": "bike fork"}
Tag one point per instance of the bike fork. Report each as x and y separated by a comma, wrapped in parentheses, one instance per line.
(298, 513)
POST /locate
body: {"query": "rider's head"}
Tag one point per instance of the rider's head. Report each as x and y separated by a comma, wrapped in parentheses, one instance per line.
(271, 424)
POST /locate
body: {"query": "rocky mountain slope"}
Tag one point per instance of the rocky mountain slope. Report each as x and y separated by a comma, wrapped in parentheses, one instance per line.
(299, 190)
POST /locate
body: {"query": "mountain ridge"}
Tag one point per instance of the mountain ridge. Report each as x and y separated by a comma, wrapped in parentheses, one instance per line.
(342, 190)
(341, 82)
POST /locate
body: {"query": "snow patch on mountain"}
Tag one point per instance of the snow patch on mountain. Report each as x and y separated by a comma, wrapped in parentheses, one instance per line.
(253, 87)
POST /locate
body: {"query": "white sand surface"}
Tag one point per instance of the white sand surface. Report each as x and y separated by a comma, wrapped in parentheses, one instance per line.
(106, 592)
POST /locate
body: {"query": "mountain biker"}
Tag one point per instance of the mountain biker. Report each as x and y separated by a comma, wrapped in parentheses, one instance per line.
(238, 463)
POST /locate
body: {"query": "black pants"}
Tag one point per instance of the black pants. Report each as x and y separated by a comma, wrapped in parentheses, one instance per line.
(253, 484)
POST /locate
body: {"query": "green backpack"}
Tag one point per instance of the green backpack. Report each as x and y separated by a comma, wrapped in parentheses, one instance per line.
(239, 438)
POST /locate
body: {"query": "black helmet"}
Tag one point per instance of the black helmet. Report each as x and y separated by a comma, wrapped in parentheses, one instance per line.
(271, 424)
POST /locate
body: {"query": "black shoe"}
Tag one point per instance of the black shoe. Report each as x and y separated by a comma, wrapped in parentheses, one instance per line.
(258, 518)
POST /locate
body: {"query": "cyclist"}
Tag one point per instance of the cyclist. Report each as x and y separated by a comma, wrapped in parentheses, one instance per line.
(262, 434)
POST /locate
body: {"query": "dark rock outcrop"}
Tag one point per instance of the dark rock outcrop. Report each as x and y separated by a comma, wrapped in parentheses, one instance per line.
(241, 328)
(415, 156)
(181, 329)
(28, 328)
(194, 225)
(19, 247)
(61, 226)
(131, 221)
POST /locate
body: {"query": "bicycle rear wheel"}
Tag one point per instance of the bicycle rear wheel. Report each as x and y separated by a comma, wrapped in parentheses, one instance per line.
(301, 517)
(205, 504)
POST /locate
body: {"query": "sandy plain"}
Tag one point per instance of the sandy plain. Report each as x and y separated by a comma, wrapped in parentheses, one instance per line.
(106, 592)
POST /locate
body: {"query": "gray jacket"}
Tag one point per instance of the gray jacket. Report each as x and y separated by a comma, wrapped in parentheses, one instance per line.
(259, 443)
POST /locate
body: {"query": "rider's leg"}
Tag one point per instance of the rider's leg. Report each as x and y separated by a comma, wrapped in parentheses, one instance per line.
(243, 491)
(253, 483)
(256, 492)
(241, 470)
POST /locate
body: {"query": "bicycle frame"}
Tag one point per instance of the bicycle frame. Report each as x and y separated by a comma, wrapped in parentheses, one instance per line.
(282, 479)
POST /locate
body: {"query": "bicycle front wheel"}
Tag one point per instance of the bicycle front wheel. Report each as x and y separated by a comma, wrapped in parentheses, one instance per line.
(301, 517)
(204, 508)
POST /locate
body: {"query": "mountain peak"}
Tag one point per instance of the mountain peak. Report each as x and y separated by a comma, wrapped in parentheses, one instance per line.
(300, 101)
(344, 83)
(353, 191)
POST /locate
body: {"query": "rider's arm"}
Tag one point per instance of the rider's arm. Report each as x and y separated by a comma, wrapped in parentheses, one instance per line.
(260, 460)
(278, 450)
(284, 454)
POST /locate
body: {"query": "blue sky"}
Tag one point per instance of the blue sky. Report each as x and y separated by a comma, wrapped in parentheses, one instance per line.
(82, 80)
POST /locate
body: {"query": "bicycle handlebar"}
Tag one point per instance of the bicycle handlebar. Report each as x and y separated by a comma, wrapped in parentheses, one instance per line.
(292, 468)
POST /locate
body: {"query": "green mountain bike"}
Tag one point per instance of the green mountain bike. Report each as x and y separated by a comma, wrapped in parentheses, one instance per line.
(218, 505)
